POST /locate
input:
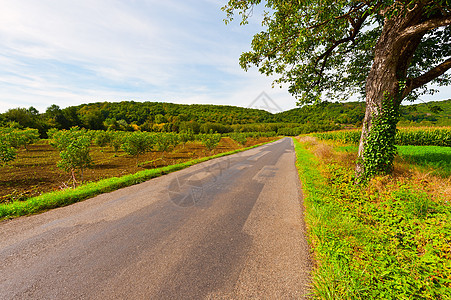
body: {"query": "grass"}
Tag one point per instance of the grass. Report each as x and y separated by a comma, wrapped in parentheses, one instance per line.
(434, 159)
(69, 196)
(390, 239)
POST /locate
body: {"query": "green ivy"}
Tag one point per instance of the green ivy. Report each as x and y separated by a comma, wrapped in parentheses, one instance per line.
(380, 149)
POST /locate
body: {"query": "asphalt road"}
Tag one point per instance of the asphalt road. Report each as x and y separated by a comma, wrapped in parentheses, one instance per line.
(229, 228)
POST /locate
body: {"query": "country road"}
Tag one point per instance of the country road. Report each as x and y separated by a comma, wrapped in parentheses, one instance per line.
(229, 228)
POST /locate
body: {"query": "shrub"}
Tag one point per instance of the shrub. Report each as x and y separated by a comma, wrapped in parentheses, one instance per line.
(239, 137)
(7, 153)
(164, 141)
(186, 136)
(74, 146)
(102, 138)
(137, 143)
(211, 140)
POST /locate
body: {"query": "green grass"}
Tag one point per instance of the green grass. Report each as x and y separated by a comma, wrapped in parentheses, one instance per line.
(435, 158)
(388, 240)
(69, 196)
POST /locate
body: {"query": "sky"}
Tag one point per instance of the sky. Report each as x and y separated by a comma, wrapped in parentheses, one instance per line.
(69, 52)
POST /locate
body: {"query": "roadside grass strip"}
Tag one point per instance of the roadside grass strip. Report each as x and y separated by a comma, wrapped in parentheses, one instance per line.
(69, 196)
(389, 239)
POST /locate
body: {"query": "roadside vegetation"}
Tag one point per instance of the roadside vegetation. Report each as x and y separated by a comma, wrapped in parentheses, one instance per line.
(387, 239)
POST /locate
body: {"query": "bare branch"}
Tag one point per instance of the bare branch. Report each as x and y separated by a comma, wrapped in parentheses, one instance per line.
(426, 77)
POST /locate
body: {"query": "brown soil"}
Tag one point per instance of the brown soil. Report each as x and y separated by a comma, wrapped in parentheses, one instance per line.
(35, 171)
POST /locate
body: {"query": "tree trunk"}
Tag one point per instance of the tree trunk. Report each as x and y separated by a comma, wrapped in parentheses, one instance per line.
(391, 60)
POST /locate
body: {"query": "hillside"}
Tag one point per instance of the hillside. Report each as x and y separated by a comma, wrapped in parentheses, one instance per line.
(350, 113)
(165, 117)
(436, 113)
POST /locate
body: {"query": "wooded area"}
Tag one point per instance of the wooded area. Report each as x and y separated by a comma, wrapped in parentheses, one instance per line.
(168, 117)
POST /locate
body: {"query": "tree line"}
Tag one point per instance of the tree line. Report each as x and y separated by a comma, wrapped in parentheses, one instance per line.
(74, 144)
(168, 117)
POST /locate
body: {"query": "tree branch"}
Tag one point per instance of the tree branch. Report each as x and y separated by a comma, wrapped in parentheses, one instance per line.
(426, 77)
(425, 26)
(356, 29)
(343, 16)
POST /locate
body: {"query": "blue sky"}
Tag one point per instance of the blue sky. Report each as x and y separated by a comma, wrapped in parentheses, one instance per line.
(69, 52)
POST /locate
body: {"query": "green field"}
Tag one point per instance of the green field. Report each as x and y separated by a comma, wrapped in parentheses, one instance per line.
(433, 159)
(429, 158)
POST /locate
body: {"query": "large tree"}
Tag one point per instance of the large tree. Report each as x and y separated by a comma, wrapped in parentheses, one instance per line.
(387, 51)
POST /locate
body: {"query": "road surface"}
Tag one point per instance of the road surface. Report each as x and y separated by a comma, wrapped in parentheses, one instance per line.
(229, 228)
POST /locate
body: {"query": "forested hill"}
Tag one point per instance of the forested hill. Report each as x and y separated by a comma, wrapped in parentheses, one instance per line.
(435, 113)
(350, 113)
(158, 112)
(157, 116)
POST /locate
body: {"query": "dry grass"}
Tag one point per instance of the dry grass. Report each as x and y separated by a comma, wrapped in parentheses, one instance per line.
(438, 188)
(308, 140)
(324, 151)
(403, 174)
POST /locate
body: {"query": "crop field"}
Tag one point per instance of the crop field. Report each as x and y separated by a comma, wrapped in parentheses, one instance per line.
(433, 159)
(418, 136)
(35, 170)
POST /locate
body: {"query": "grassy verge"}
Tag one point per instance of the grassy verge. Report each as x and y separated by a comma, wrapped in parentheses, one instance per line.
(68, 196)
(390, 239)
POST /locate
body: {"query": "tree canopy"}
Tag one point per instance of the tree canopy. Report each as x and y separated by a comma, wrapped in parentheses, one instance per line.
(326, 48)
(386, 50)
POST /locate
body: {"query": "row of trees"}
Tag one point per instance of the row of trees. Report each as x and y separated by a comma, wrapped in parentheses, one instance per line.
(74, 144)
(204, 118)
